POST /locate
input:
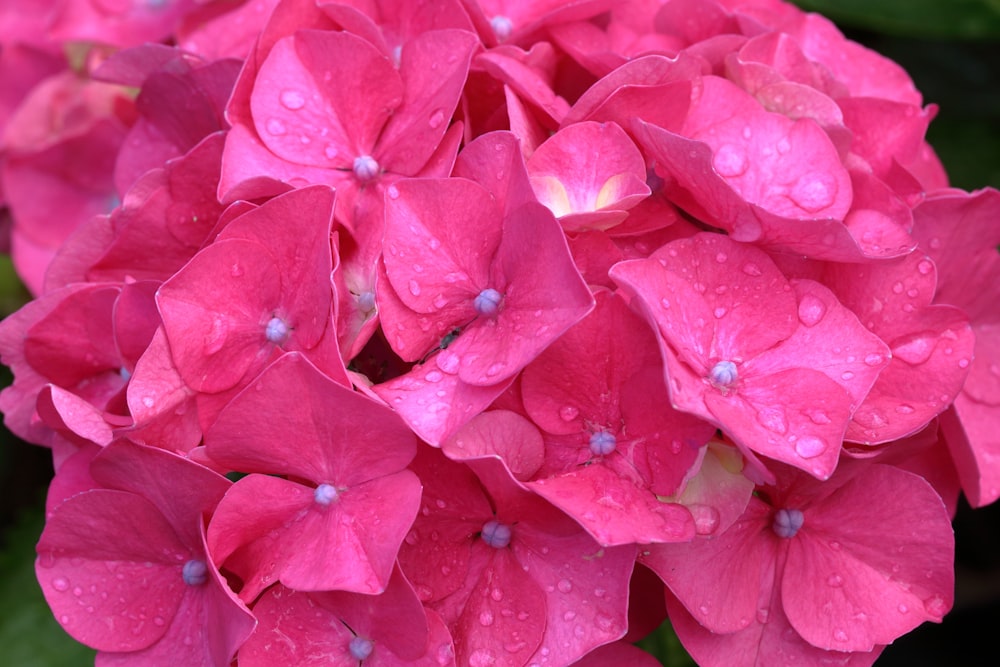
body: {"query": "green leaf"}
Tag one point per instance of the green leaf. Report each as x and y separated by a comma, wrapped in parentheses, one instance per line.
(957, 19)
(29, 635)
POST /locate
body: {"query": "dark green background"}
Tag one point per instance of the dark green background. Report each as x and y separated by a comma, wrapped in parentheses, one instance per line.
(952, 50)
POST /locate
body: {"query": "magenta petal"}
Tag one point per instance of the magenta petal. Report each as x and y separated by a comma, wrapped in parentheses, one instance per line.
(507, 435)
(433, 66)
(348, 109)
(720, 580)
(268, 528)
(440, 239)
(506, 605)
(615, 510)
(217, 333)
(433, 401)
(339, 446)
(109, 563)
(880, 552)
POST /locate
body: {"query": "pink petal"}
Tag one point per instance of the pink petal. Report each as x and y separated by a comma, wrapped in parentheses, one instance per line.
(337, 447)
(347, 115)
(87, 541)
(880, 551)
(500, 433)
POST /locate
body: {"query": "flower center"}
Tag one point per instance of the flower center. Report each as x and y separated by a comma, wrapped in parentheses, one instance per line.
(487, 302)
(276, 330)
(502, 27)
(602, 443)
(787, 523)
(195, 572)
(361, 648)
(496, 534)
(325, 494)
(723, 375)
(365, 168)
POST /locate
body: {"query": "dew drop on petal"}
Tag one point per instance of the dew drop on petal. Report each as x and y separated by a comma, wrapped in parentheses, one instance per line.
(496, 534)
(925, 266)
(564, 585)
(216, 336)
(436, 119)
(814, 191)
(275, 127)
(840, 635)
(897, 288)
(752, 269)
(787, 522)
(809, 446)
(360, 648)
(874, 359)
(330, 151)
(706, 518)
(902, 609)
(730, 161)
(835, 580)
(905, 409)
(819, 417)
(195, 572)
(916, 349)
(292, 99)
(568, 413)
(414, 287)
(447, 361)
(719, 312)
(60, 584)
(602, 443)
(811, 310)
(486, 618)
(773, 419)
(936, 606)
(434, 376)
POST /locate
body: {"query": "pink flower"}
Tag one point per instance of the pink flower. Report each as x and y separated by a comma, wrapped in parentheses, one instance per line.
(335, 521)
(125, 569)
(780, 366)
(847, 565)
(460, 287)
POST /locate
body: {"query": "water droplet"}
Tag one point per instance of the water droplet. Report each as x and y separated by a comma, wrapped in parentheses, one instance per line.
(706, 518)
(819, 417)
(393, 192)
(148, 401)
(292, 99)
(436, 119)
(809, 447)
(60, 584)
(835, 580)
(752, 269)
(275, 127)
(874, 359)
(925, 266)
(912, 293)
(814, 191)
(486, 618)
(719, 312)
(447, 361)
(847, 375)
(963, 363)
(665, 304)
(699, 287)
(569, 615)
(915, 349)
(730, 161)
(905, 409)
(773, 419)
(564, 585)
(414, 288)
(903, 609)
(216, 336)
(721, 258)
(434, 376)
(936, 606)
(568, 413)
(840, 635)
(811, 310)
(897, 288)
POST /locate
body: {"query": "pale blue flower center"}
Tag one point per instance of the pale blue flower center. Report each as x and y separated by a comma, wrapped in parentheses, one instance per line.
(487, 302)
(325, 494)
(195, 572)
(787, 523)
(602, 443)
(496, 534)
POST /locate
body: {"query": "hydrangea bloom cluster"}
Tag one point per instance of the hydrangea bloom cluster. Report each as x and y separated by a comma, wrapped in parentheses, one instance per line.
(489, 332)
